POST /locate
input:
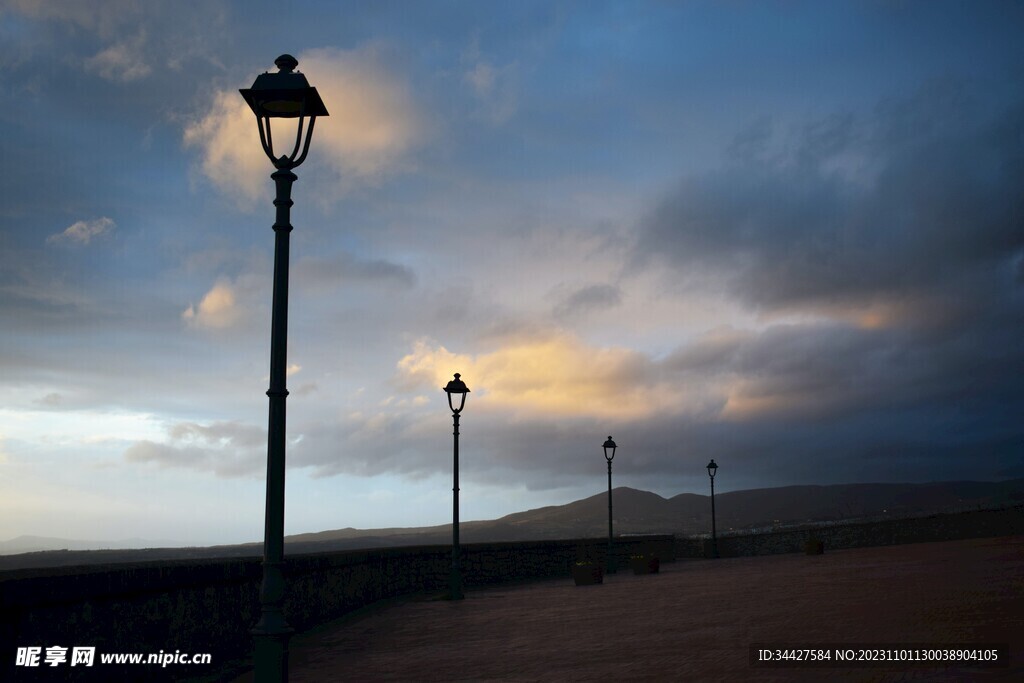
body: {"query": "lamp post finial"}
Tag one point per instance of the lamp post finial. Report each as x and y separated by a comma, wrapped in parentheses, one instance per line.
(286, 63)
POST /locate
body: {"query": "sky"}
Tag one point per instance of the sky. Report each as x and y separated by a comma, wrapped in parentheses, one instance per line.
(788, 236)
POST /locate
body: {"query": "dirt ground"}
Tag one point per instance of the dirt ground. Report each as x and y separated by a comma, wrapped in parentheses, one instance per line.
(695, 621)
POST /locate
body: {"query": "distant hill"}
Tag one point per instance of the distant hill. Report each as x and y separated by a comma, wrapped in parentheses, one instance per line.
(27, 544)
(634, 512)
(688, 513)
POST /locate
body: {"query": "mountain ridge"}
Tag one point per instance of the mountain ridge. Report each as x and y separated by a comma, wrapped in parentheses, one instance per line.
(635, 511)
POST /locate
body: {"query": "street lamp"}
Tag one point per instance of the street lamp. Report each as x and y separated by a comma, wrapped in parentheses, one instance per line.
(712, 469)
(609, 453)
(285, 94)
(456, 387)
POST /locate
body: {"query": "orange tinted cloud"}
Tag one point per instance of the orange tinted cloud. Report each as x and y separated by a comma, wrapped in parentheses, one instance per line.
(218, 309)
(560, 376)
(373, 123)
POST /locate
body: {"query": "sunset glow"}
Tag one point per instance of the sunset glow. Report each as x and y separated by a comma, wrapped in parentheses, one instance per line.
(786, 236)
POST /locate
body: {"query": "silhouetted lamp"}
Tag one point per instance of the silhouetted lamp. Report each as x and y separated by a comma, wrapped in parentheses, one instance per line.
(609, 454)
(609, 449)
(285, 94)
(456, 387)
(712, 469)
(456, 390)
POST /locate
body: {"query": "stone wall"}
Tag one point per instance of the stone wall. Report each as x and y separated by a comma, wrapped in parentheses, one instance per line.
(944, 527)
(209, 606)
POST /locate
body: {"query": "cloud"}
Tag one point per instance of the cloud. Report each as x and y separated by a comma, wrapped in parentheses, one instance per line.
(122, 62)
(126, 41)
(326, 274)
(883, 211)
(103, 18)
(812, 401)
(218, 309)
(589, 298)
(368, 444)
(50, 400)
(495, 88)
(230, 147)
(555, 375)
(227, 449)
(481, 77)
(35, 297)
(815, 399)
(372, 128)
(81, 233)
(805, 373)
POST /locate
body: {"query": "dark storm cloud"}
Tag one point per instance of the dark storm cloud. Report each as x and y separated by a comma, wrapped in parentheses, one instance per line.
(904, 203)
(907, 445)
(822, 403)
(902, 235)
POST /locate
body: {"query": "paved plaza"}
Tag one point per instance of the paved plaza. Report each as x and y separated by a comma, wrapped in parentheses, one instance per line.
(694, 621)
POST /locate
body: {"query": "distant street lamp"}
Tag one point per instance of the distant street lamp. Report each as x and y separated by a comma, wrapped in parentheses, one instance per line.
(609, 453)
(712, 469)
(285, 94)
(458, 388)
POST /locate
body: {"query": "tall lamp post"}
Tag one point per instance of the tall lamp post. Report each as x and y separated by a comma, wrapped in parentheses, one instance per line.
(456, 387)
(712, 469)
(609, 454)
(285, 94)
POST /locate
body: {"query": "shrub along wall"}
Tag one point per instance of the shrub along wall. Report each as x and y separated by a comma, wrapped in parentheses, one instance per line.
(209, 606)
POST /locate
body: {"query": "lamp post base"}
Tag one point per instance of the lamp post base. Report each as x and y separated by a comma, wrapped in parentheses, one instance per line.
(270, 658)
(610, 566)
(455, 586)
